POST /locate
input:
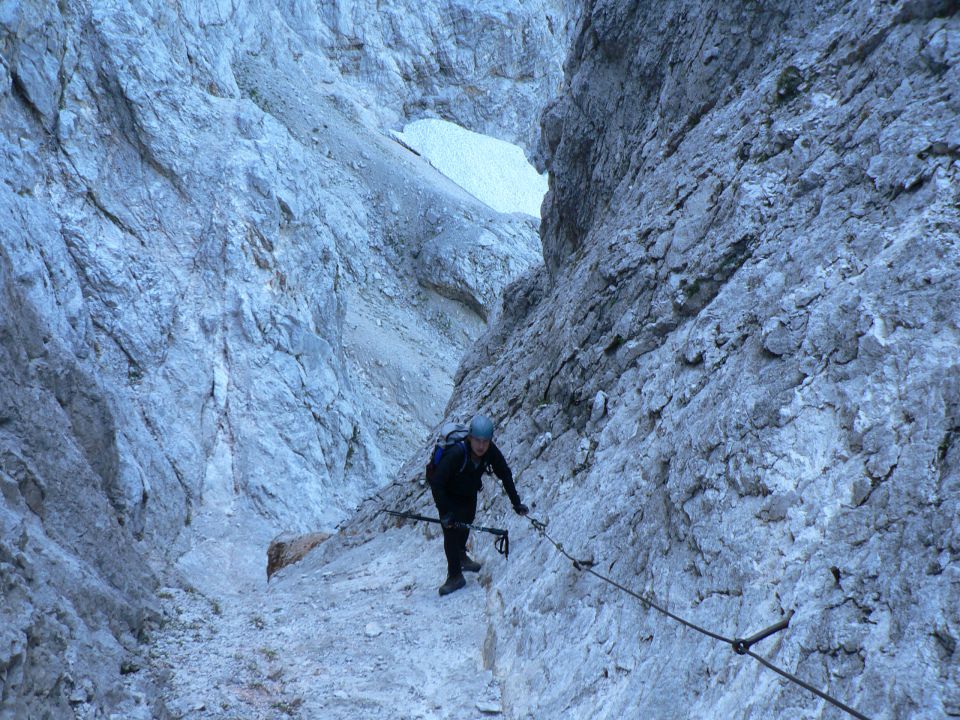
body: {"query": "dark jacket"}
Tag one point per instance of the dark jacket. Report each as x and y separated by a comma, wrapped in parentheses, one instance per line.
(455, 481)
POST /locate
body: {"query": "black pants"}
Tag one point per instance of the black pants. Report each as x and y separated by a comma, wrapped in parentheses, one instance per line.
(455, 539)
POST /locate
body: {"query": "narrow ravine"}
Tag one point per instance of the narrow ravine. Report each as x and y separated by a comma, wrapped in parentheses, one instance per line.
(232, 304)
(238, 294)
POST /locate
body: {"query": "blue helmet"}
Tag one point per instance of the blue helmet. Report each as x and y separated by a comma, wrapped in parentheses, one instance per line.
(481, 428)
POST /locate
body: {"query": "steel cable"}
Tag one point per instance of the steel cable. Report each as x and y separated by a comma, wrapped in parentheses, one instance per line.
(740, 646)
(586, 567)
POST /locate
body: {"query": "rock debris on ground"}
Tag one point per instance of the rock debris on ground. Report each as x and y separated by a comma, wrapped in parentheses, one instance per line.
(352, 631)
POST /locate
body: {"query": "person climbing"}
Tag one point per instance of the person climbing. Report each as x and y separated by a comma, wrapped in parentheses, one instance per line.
(455, 482)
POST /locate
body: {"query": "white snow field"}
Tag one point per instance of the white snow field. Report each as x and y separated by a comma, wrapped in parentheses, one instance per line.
(494, 171)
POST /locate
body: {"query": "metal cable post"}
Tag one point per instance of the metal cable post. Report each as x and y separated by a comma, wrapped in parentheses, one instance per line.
(740, 646)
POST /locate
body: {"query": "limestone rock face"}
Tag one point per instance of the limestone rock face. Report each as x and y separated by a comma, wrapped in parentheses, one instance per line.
(736, 387)
(470, 264)
(208, 275)
(70, 565)
(486, 66)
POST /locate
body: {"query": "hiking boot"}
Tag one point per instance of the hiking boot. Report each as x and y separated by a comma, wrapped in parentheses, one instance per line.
(468, 564)
(453, 583)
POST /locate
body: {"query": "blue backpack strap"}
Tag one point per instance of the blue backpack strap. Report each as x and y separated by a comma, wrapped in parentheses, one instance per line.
(439, 451)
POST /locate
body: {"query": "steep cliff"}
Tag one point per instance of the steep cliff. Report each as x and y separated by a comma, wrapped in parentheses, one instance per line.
(216, 318)
(488, 66)
(736, 388)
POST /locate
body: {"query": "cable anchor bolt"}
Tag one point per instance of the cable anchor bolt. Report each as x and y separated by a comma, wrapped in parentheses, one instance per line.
(741, 646)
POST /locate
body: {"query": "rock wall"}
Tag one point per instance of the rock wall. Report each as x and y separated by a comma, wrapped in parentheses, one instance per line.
(486, 66)
(69, 564)
(209, 262)
(736, 387)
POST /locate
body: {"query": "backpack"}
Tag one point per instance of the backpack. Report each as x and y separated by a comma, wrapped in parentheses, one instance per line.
(451, 434)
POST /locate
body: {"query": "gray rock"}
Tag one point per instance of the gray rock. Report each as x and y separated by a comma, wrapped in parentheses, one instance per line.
(372, 630)
(486, 67)
(474, 265)
(761, 265)
(216, 273)
(599, 407)
(489, 707)
(777, 338)
(205, 237)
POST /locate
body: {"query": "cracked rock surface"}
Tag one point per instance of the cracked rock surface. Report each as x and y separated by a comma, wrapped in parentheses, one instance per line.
(736, 384)
(487, 66)
(733, 387)
(214, 322)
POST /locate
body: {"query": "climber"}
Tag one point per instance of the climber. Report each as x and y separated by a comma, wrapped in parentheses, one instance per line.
(455, 482)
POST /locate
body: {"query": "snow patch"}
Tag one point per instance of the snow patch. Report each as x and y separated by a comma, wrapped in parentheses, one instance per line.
(493, 171)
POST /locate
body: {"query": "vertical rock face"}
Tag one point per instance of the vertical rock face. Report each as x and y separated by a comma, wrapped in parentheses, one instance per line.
(209, 253)
(737, 387)
(486, 66)
(69, 565)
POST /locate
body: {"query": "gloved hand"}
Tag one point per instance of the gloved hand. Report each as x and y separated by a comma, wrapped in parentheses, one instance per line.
(521, 509)
(447, 520)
